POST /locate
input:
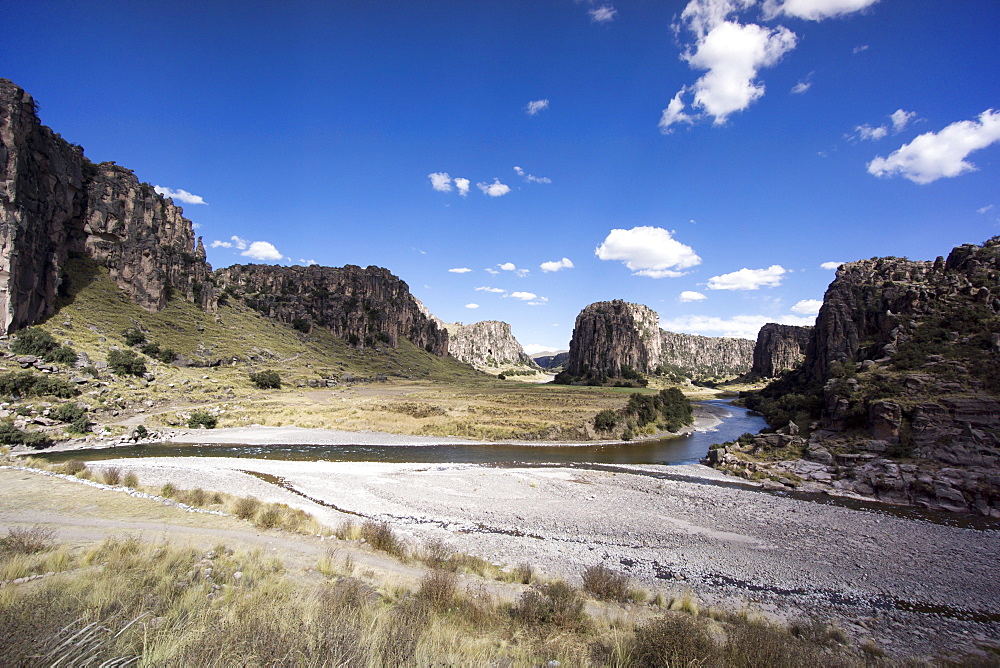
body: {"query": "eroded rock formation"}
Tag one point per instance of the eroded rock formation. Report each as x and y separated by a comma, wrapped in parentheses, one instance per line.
(55, 203)
(487, 345)
(700, 357)
(364, 306)
(610, 336)
(779, 348)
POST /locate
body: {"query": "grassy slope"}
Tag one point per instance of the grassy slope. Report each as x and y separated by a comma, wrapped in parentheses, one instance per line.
(424, 394)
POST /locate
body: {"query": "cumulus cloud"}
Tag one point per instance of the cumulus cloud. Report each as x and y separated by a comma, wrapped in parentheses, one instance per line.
(234, 242)
(801, 87)
(748, 279)
(495, 189)
(440, 181)
(508, 266)
(691, 296)
(932, 156)
(648, 251)
(807, 306)
(460, 270)
(674, 114)
(262, 250)
(462, 185)
(484, 288)
(525, 296)
(472, 305)
(556, 265)
(739, 326)
(536, 106)
(529, 178)
(830, 265)
(604, 14)
(179, 195)
(308, 263)
(870, 133)
(898, 120)
(814, 10)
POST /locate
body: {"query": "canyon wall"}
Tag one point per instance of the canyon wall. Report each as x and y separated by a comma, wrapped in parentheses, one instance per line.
(779, 348)
(609, 336)
(700, 357)
(487, 345)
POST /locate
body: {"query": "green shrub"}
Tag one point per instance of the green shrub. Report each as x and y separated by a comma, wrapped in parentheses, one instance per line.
(26, 384)
(11, 435)
(69, 412)
(166, 355)
(266, 380)
(64, 355)
(202, 419)
(606, 420)
(134, 336)
(126, 363)
(81, 425)
(33, 341)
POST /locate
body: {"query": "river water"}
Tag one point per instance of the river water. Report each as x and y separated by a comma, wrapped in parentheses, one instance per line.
(676, 450)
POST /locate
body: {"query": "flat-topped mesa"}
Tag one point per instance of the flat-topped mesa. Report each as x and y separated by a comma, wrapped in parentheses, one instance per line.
(706, 356)
(363, 306)
(610, 336)
(779, 348)
(55, 203)
(487, 345)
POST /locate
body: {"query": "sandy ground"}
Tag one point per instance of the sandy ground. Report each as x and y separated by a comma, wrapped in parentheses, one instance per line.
(671, 528)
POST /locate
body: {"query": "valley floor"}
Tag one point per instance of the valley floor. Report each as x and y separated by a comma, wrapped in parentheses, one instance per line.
(913, 586)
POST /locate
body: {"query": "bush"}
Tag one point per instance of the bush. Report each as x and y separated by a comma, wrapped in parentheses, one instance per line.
(605, 583)
(33, 341)
(555, 603)
(166, 355)
(81, 425)
(202, 419)
(134, 336)
(606, 420)
(438, 589)
(131, 480)
(11, 435)
(266, 380)
(27, 540)
(69, 412)
(26, 384)
(126, 363)
(111, 476)
(72, 467)
(246, 507)
(380, 536)
(674, 640)
(62, 355)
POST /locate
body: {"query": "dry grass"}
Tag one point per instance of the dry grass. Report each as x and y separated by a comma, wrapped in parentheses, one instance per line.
(27, 540)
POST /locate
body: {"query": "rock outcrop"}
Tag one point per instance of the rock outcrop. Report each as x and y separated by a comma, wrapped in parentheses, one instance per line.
(488, 345)
(703, 357)
(779, 348)
(611, 336)
(552, 361)
(364, 306)
(54, 203)
(900, 387)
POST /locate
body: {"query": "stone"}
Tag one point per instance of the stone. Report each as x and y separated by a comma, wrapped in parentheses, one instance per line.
(487, 345)
(779, 348)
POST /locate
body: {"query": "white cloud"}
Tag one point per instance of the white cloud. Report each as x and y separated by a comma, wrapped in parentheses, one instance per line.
(985, 209)
(900, 119)
(814, 10)
(525, 296)
(535, 348)
(495, 189)
(262, 250)
(859, 49)
(508, 266)
(472, 306)
(440, 181)
(739, 326)
(308, 263)
(491, 270)
(535, 106)
(648, 251)
(691, 296)
(674, 113)
(462, 185)
(870, 133)
(484, 288)
(220, 244)
(234, 242)
(460, 270)
(932, 156)
(801, 87)
(807, 306)
(604, 14)
(556, 265)
(830, 265)
(529, 178)
(748, 279)
(179, 195)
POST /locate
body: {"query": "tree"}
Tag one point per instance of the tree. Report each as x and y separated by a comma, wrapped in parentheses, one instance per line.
(266, 380)
(126, 363)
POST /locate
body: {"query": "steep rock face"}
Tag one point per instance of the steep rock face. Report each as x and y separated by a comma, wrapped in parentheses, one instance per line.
(486, 345)
(779, 348)
(902, 382)
(611, 335)
(54, 202)
(364, 306)
(556, 361)
(706, 356)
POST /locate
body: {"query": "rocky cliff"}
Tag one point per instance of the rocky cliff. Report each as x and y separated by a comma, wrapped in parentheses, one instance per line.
(703, 357)
(364, 306)
(899, 393)
(611, 336)
(552, 361)
(54, 203)
(487, 345)
(779, 348)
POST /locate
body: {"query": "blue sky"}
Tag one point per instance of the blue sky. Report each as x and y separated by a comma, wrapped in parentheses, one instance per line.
(517, 160)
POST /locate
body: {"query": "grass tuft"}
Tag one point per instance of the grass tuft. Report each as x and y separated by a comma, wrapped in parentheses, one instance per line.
(27, 540)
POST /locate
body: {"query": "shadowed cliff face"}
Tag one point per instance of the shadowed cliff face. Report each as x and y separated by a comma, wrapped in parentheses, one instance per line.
(487, 344)
(610, 335)
(54, 202)
(706, 356)
(779, 348)
(364, 306)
